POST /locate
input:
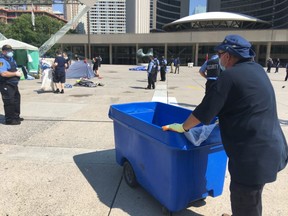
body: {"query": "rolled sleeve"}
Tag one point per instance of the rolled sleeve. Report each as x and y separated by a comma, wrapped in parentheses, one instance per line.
(203, 67)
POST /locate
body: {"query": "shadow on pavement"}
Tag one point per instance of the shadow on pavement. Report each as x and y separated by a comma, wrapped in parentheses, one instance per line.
(105, 177)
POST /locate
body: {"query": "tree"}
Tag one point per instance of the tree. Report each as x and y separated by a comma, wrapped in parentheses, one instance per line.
(21, 29)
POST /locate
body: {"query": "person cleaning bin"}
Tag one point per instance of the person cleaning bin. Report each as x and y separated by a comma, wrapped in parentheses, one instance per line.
(244, 100)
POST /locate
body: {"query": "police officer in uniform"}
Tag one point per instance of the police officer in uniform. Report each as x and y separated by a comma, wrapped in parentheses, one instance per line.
(151, 73)
(9, 78)
(163, 66)
(210, 70)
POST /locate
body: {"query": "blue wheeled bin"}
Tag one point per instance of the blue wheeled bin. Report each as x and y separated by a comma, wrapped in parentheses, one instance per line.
(165, 163)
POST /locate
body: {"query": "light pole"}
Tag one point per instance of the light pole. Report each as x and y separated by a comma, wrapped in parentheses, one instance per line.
(88, 32)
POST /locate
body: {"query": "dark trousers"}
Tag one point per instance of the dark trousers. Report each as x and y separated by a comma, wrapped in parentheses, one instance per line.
(155, 73)
(163, 73)
(208, 85)
(246, 200)
(151, 82)
(276, 69)
(268, 68)
(11, 100)
(177, 67)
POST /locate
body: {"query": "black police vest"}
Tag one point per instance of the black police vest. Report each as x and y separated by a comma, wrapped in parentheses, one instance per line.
(213, 68)
(13, 68)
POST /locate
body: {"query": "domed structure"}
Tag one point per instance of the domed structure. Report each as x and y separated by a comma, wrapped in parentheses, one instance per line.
(216, 21)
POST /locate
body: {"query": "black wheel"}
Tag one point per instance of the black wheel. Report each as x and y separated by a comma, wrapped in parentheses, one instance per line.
(129, 175)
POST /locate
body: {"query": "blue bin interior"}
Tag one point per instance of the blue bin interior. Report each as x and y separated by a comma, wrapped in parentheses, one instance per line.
(165, 114)
(149, 117)
(155, 113)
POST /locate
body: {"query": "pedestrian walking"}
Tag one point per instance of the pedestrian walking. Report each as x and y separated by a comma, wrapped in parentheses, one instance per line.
(177, 65)
(269, 64)
(171, 63)
(277, 65)
(96, 66)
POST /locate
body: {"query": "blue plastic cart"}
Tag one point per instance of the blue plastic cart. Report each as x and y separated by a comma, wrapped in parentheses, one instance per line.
(165, 163)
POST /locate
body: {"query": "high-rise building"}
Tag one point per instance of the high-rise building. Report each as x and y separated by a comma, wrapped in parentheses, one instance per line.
(71, 10)
(167, 11)
(137, 16)
(11, 12)
(105, 17)
(153, 6)
(274, 11)
(113, 16)
(108, 17)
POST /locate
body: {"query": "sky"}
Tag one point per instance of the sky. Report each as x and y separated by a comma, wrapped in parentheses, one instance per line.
(58, 7)
(194, 3)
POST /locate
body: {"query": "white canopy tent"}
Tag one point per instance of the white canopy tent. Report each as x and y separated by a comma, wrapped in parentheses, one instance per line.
(24, 54)
(17, 44)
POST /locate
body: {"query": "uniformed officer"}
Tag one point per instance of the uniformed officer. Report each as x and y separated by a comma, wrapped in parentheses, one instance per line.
(210, 70)
(163, 66)
(9, 78)
(151, 73)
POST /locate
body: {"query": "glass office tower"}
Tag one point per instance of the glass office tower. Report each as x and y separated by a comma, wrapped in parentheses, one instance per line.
(274, 11)
(168, 11)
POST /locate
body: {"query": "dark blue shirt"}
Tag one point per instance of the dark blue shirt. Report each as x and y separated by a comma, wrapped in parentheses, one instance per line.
(61, 64)
(243, 98)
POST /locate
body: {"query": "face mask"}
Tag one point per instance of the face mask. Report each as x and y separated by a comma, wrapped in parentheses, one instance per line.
(221, 66)
(9, 54)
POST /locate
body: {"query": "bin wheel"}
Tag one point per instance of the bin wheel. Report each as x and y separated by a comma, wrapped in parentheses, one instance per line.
(129, 175)
(165, 211)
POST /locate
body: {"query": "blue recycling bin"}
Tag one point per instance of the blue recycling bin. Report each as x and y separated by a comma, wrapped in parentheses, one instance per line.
(165, 163)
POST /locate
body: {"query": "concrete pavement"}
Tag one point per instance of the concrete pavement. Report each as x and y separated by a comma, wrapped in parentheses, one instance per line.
(61, 161)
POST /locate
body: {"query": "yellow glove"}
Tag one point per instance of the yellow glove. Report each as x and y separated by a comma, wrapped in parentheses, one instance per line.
(174, 127)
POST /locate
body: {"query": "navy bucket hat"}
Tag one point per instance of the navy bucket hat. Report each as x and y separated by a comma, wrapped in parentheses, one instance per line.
(237, 46)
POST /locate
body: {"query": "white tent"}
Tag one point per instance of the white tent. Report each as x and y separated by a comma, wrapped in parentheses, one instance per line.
(24, 54)
(17, 44)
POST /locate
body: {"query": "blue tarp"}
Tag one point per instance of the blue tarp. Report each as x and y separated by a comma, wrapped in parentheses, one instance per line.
(139, 68)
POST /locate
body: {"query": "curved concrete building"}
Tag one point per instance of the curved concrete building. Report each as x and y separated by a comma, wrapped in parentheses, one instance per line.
(216, 20)
(274, 11)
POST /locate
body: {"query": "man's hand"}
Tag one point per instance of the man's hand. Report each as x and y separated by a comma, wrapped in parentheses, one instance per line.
(174, 127)
(18, 73)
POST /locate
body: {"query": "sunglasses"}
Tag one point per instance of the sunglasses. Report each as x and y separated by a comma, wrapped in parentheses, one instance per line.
(221, 53)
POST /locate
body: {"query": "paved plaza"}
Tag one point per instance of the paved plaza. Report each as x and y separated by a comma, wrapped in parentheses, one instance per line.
(61, 160)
